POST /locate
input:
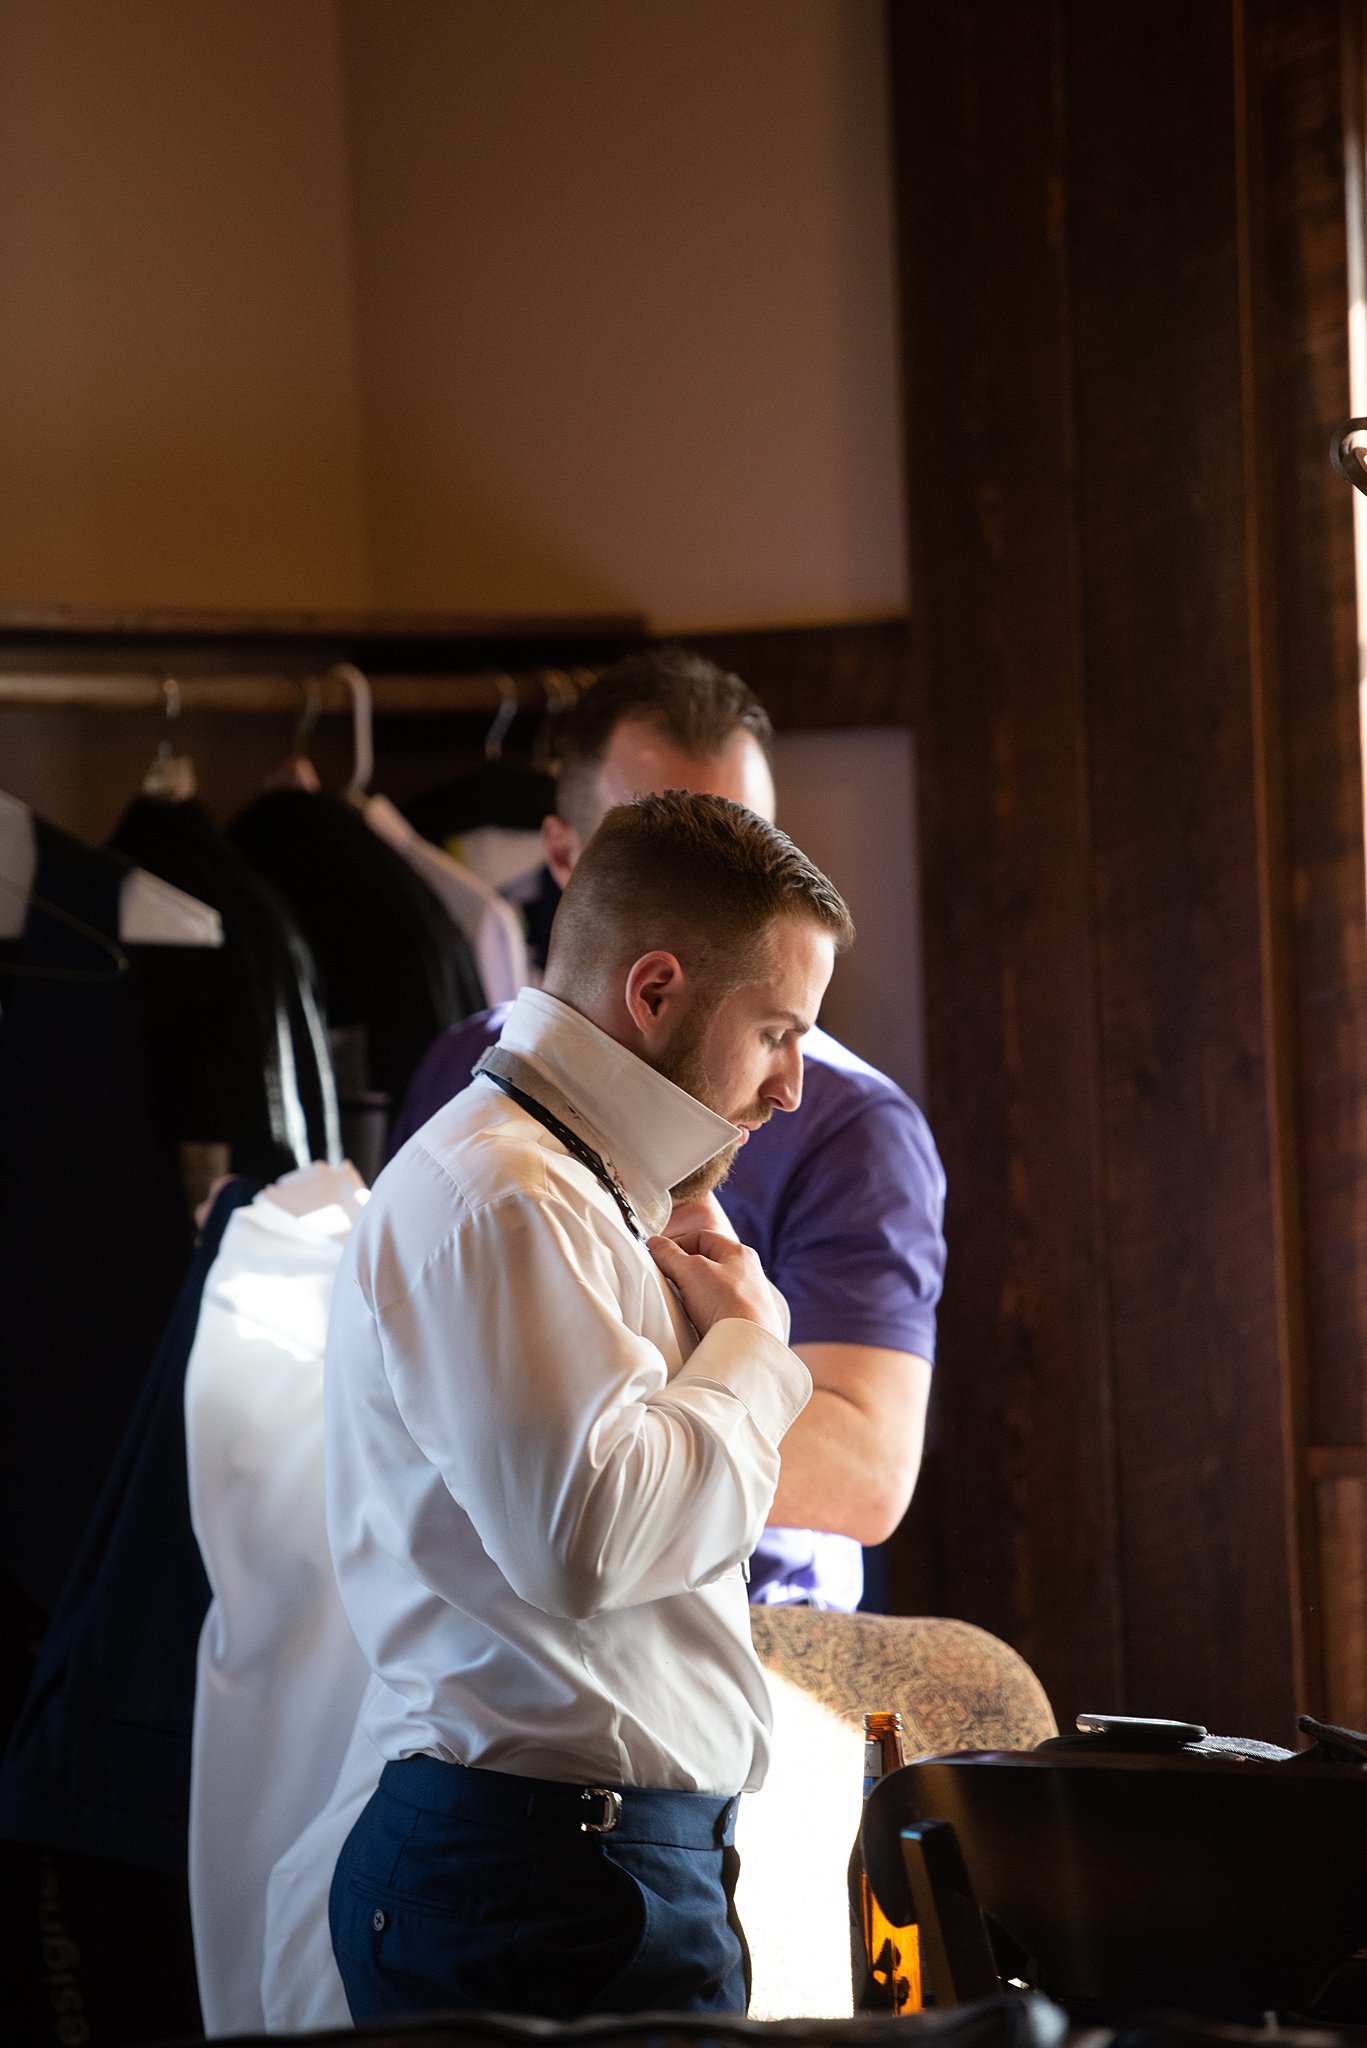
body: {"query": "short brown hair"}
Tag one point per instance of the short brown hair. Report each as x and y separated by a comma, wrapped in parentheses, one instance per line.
(697, 705)
(690, 874)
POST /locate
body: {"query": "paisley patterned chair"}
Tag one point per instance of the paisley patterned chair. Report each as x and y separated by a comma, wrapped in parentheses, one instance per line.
(955, 1686)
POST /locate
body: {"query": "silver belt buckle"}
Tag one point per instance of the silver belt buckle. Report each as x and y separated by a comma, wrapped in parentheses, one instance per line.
(611, 1810)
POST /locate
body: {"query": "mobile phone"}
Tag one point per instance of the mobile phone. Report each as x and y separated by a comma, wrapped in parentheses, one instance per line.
(1139, 1732)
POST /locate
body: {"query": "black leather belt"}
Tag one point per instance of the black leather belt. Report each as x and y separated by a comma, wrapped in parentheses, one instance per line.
(634, 1813)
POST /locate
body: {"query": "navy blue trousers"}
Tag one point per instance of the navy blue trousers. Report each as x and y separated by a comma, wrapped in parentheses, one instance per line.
(474, 1891)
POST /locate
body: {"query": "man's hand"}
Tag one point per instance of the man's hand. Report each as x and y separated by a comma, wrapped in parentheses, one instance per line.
(716, 1278)
(699, 1212)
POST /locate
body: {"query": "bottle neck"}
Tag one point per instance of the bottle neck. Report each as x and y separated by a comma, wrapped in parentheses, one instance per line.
(882, 1748)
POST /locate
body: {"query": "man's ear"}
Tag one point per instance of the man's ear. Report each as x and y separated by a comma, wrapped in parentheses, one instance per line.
(562, 847)
(655, 989)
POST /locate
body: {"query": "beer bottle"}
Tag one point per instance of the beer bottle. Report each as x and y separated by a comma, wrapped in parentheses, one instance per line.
(885, 1961)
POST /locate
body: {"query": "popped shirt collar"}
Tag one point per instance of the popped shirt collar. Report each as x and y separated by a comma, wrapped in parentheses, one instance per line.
(651, 1134)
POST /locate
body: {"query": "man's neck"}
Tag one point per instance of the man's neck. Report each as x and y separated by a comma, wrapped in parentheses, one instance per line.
(604, 1009)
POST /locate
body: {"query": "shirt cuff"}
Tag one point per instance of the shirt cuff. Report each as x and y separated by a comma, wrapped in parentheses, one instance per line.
(769, 1379)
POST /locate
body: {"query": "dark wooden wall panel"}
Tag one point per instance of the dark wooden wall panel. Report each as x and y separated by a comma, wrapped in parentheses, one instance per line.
(812, 678)
(1341, 1532)
(1123, 258)
(1166, 622)
(1298, 50)
(1024, 1380)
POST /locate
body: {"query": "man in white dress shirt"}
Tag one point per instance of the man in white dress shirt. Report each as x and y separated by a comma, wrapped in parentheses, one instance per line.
(553, 1440)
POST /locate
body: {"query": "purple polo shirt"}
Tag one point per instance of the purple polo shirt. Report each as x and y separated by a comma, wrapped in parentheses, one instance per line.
(843, 1199)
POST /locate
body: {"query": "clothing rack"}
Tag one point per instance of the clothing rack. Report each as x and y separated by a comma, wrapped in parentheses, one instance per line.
(531, 689)
(261, 662)
(808, 677)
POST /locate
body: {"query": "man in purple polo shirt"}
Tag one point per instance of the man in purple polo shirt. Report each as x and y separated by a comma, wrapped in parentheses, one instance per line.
(843, 1199)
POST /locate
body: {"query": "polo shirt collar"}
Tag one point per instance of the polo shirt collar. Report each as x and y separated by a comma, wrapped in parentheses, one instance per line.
(650, 1133)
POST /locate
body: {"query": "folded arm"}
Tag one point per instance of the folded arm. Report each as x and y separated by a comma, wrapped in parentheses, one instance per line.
(859, 1253)
(850, 1460)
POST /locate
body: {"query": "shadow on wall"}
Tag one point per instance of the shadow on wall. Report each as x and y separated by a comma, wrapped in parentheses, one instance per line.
(849, 800)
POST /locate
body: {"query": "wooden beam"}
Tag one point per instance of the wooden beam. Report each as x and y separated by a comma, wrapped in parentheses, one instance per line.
(202, 642)
(817, 677)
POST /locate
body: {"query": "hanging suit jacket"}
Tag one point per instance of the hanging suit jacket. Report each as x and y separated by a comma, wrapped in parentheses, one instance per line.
(240, 1047)
(391, 958)
(94, 1235)
(99, 1760)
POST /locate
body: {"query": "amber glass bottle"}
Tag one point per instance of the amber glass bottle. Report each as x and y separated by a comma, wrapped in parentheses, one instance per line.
(885, 1962)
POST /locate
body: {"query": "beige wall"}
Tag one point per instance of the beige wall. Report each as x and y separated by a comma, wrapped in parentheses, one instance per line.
(491, 304)
(625, 288)
(179, 406)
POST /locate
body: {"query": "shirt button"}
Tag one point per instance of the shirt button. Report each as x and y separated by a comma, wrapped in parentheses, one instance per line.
(379, 1920)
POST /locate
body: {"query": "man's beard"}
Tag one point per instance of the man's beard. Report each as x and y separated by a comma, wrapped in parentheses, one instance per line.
(708, 1178)
(683, 1064)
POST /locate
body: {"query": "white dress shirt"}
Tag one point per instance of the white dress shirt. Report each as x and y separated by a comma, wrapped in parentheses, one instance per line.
(542, 1487)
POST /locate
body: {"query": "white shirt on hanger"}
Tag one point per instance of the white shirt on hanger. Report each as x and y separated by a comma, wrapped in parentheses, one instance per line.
(279, 1676)
(508, 858)
(488, 921)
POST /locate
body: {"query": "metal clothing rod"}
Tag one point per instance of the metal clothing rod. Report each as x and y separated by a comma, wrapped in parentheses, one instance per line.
(260, 692)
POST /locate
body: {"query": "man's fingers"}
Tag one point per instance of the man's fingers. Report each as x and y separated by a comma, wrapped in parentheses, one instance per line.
(710, 1244)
